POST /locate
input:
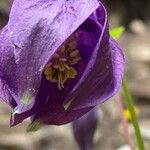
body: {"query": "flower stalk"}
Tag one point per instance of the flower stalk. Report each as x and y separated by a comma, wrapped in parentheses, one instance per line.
(129, 103)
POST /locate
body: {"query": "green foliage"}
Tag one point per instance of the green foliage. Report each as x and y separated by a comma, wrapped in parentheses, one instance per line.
(32, 127)
(130, 105)
(117, 32)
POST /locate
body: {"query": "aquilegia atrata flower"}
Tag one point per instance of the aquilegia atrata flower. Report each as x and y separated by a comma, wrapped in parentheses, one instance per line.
(57, 60)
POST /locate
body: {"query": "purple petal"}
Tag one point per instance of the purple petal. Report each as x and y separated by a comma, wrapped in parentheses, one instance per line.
(30, 41)
(103, 74)
(49, 95)
(7, 68)
(35, 30)
(55, 97)
(84, 129)
(100, 80)
(58, 115)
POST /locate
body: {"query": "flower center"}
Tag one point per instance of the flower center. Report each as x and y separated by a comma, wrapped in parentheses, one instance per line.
(60, 69)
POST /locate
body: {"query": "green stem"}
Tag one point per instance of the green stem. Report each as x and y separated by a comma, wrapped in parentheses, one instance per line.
(129, 102)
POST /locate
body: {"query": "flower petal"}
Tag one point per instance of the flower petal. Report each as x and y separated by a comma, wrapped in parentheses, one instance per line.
(102, 77)
(99, 81)
(59, 116)
(49, 95)
(55, 97)
(36, 29)
(7, 68)
(84, 129)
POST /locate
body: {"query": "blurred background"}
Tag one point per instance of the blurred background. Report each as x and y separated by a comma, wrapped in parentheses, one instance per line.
(135, 17)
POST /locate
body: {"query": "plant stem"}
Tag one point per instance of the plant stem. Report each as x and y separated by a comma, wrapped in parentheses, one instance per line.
(129, 102)
(124, 122)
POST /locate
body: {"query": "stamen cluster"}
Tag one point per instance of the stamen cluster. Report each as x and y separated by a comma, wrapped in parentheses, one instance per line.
(60, 68)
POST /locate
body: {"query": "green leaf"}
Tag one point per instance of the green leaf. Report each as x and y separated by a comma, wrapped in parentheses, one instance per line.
(34, 126)
(117, 32)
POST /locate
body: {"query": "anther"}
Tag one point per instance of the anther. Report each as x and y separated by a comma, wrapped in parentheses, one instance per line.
(60, 68)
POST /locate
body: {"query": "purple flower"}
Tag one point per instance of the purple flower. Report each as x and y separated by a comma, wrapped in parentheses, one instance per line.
(57, 60)
(84, 129)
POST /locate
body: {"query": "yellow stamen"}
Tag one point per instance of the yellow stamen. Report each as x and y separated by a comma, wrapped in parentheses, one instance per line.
(63, 59)
(62, 49)
(75, 60)
(74, 53)
(60, 68)
(56, 66)
(48, 71)
(71, 73)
